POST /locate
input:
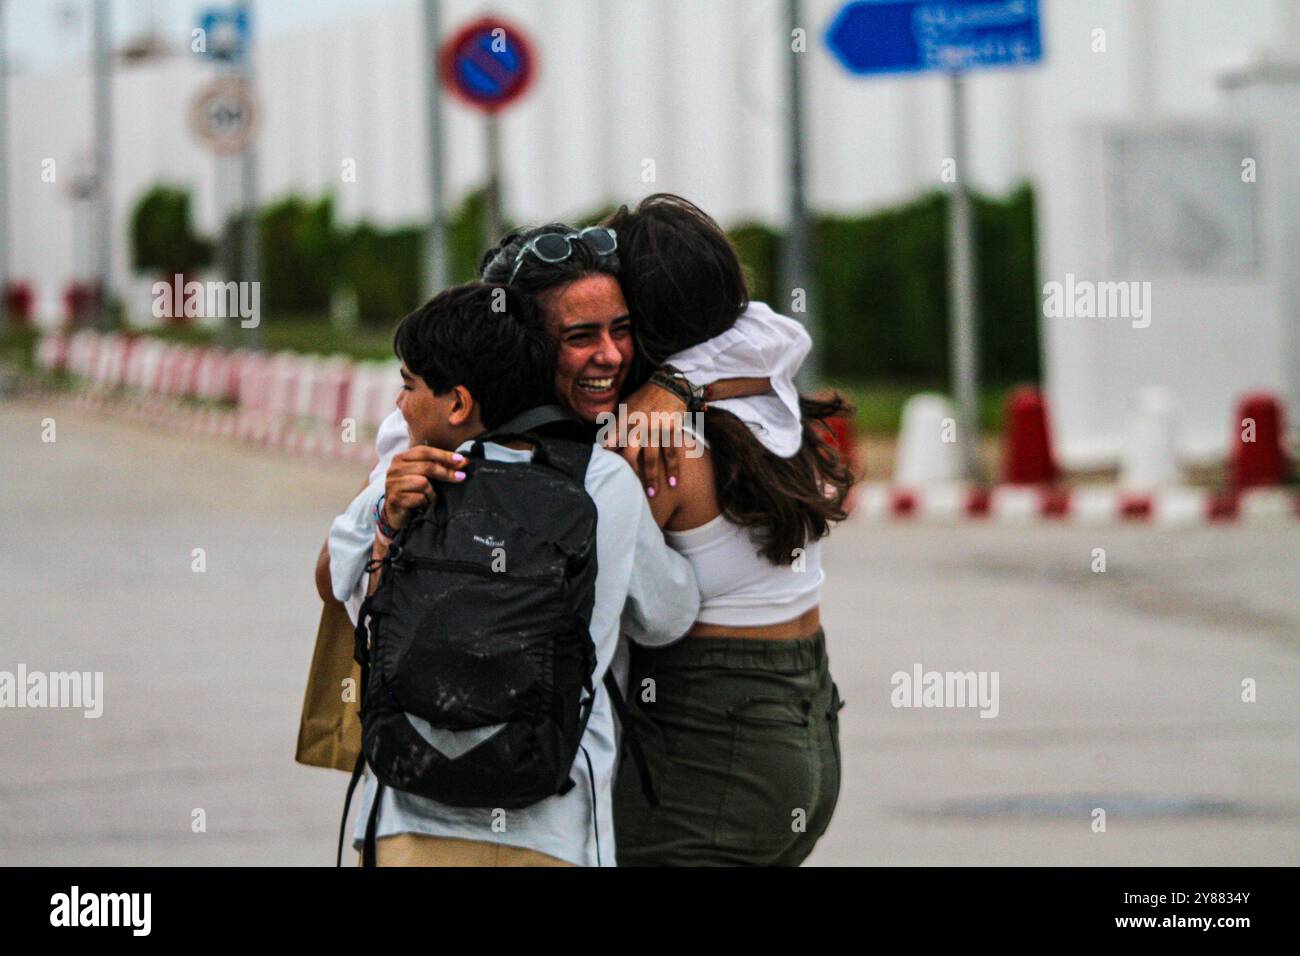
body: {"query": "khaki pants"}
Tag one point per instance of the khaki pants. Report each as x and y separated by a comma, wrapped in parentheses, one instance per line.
(418, 849)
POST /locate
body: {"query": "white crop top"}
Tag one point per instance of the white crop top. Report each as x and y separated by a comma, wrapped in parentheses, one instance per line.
(738, 586)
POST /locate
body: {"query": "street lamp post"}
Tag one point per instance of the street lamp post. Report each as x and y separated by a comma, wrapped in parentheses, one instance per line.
(436, 270)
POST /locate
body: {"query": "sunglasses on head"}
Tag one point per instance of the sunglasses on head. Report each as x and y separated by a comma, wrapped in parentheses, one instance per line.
(555, 247)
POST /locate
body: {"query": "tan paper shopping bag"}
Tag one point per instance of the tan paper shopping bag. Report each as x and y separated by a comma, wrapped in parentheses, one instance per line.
(329, 734)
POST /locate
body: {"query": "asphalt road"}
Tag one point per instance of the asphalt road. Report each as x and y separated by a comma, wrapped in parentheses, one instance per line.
(1118, 690)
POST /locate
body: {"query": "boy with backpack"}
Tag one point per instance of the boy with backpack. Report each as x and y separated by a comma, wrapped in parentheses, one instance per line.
(496, 606)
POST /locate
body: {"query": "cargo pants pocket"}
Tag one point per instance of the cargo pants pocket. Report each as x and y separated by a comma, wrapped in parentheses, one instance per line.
(772, 780)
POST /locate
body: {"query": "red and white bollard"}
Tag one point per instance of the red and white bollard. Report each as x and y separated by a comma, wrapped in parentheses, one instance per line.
(1027, 458)
(1258, 456)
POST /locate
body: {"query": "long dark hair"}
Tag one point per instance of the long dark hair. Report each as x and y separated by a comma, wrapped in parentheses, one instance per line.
(684, 284)
(681, 271)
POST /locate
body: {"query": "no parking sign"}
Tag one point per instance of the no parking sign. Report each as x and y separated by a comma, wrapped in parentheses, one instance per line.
(488, 64)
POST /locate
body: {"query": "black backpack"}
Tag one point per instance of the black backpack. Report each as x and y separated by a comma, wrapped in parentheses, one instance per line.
(481, 622)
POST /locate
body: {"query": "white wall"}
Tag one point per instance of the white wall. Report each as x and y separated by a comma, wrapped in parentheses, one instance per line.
(1213, 335)
(694, 85)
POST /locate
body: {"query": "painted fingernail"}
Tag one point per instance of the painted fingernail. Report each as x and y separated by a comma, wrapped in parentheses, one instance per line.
(460, 476)
(650, 492)
(672, 481)
(458, 458)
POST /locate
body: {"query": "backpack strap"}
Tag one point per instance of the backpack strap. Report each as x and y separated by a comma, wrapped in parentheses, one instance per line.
(595, 807)
(357, 771)
(569, 455)
(569, 458)
(372, 826)
(361, 653)
(631, 739)
(534, 418)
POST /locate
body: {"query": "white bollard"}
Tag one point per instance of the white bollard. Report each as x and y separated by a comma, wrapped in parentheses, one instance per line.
(1150, 458)
(52, 352)
(82, 350)
(286, 372)
(928, 449)
(170, 370)
(213, 374)
(311, 370)
(187, 374)
(95, 368)
(240, 359)
(374, 389)
(110, 366)
(253, 391)
(331, 389)
(143, 365)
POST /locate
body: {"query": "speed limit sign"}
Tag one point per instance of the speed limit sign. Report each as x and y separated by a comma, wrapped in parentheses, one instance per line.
(223, 115)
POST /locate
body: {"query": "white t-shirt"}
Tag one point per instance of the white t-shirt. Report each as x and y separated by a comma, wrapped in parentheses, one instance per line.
(644, 589)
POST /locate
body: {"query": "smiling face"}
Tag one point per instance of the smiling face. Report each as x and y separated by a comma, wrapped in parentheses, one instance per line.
(590, 320)
(421, 409)
(443, 421)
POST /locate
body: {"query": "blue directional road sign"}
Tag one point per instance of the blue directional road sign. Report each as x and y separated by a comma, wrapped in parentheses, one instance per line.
(225, 32)
(911, 36)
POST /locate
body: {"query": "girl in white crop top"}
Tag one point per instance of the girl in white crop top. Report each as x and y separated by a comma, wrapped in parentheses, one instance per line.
(739, 588)
(741, 729)
(743, 591)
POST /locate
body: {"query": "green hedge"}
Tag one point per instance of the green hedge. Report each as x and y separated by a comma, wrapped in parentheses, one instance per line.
(881, 288)
(300, 255)
(163, 241)
(306, 256)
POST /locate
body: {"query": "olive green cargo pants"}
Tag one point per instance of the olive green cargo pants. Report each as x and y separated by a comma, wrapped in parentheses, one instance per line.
(742, 740)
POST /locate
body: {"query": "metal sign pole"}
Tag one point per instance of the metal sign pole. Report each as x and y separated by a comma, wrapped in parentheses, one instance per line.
(489, 75)
(796, 257)
(909, 36)
(4, 169)
(964, 349)
(494, 225)
(103, 133)
(437, 271)
(249, 264)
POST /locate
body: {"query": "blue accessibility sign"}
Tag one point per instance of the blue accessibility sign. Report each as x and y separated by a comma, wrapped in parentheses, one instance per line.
(911, 36)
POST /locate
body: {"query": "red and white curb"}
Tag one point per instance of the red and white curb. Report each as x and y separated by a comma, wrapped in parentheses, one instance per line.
(1014, 504)
(273, 433)
(283, 401)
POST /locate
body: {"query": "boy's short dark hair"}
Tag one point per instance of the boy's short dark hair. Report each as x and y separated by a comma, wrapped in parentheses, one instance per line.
(487, 338)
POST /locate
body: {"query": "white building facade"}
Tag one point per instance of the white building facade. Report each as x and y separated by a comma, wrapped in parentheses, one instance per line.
(638, 96)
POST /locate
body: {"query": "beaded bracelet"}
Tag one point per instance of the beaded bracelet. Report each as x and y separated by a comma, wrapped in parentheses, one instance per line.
(385, 529)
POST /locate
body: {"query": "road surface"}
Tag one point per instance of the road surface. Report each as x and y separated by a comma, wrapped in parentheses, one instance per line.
(1119, 691)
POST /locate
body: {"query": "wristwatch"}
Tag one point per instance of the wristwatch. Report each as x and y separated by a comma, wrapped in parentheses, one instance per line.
(672, 379)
